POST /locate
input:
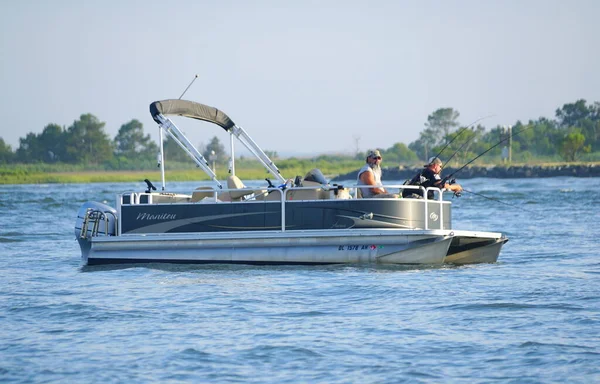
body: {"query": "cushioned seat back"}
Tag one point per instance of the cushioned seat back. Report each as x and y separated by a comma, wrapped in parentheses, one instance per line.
(260, 194)
(201, 193)
(306, 194)
(273, 196)
(234, 182)
(309, 194)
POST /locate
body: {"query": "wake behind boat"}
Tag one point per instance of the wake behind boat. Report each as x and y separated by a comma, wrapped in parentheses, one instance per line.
(308, 221)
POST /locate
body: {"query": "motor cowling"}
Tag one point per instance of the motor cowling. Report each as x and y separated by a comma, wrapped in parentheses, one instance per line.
(94, 218)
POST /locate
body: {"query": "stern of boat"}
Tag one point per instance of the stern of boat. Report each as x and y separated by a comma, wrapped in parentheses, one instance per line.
(94, 219)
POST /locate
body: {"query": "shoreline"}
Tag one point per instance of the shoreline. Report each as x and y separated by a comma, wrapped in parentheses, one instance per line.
(389, 173)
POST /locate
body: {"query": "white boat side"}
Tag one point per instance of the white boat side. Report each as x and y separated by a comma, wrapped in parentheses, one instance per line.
(270, 247)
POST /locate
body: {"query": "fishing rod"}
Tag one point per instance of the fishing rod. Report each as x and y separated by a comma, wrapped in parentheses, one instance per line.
(458, 150)
(486, 151)
(500, 201)
(459, 133)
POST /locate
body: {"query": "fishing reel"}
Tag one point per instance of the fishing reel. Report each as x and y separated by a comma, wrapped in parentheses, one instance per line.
(453, 181)
(281, 186)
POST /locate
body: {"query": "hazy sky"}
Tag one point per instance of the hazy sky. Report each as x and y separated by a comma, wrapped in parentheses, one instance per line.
(300, 76)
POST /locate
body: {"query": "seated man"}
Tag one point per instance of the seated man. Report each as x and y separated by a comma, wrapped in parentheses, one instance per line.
(429, 177)
(370, 175)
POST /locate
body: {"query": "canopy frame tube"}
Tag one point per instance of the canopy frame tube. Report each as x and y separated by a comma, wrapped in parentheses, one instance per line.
(212, 115)
(187, 146)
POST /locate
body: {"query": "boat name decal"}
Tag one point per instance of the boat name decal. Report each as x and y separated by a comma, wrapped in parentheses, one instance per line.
(433, 216)
(160, 216)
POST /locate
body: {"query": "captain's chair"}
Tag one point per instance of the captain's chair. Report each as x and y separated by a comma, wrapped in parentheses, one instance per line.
(234, 182)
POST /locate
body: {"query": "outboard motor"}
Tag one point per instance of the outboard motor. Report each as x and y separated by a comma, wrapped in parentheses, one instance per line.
(95, 219)
(316, 176)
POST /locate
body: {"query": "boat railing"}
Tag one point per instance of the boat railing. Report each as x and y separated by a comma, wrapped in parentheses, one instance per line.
(282, 195)
(340, 192)
(285, 194)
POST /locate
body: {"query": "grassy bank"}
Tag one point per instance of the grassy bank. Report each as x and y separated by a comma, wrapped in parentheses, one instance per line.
(28, 176)
(46, 174)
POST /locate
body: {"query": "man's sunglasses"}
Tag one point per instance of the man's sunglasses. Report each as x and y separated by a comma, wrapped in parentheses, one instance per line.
(376, 157)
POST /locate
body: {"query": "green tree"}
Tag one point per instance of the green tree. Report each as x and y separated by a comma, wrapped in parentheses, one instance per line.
(464, 145)
(86, 142)
(441, 122)
(6, 153)
(586, 117)
(400, 153)
(132, 144)
(571, 114)
(216, 146)
(52, 143)
(437, 128)
(543, 137)
(47, 147)
(573, 144)
(29, 149)
(424, 145)
(173, 152)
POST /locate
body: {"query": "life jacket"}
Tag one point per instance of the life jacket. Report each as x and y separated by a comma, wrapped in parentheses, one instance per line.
(417, 180)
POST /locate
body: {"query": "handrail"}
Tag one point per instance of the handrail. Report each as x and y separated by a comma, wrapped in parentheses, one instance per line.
(425, 200)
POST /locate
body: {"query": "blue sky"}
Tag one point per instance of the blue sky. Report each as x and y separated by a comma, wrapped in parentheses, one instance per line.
(301, 77)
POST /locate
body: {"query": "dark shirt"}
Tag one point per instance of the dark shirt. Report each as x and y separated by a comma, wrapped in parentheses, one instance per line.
(426, 178)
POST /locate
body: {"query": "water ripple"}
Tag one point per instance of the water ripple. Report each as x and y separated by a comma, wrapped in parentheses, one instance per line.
(532, 317)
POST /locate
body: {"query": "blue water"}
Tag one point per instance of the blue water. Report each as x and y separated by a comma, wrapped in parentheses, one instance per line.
(532, 317)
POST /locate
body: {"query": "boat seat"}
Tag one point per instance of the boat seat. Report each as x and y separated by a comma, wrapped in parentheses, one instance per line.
(273, 196)
(308, 194)
(260, 194)
(234, 182)
(165, 198)
(358, 193)
(201, 193)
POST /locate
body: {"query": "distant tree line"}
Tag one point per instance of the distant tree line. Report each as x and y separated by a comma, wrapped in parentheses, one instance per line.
(86, 142)
(574, 131)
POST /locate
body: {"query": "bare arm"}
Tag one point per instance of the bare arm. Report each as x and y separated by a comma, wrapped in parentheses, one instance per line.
(453, 187)
(368, 179)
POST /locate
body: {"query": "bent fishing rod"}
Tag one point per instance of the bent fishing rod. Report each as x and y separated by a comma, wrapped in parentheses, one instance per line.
(459, 133)
(486, 151)
(501, 202)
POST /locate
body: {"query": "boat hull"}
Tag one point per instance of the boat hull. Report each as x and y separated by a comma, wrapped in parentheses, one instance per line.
(475, 247)
(305, 247)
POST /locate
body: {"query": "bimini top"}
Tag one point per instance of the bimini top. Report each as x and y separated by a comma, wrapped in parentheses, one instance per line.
(192, 110)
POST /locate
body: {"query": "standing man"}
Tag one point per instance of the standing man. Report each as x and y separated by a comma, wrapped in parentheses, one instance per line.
(429, 177)
(370, 175)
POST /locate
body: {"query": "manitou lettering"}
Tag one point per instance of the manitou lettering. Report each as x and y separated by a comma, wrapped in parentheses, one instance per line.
(160, 216)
